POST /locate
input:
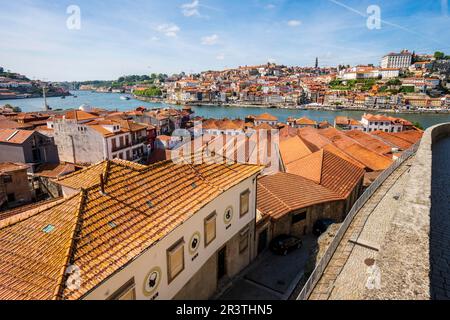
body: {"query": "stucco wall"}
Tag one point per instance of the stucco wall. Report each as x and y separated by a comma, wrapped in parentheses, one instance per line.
(88, 146)
(11, 153)
(330, 210)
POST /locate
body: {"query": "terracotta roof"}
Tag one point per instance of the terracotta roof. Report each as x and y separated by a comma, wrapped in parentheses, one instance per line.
(53, 171)
(411, 136)
(372, 160)
(393, 139)
(266, 117)
(15, 136)
(313, 137)
(292, 149)
(144, 204)
(79, 115)
(328, 170)
(369, 141)
(9, 124)
(283, 193)
(305, 121)
(10, 167)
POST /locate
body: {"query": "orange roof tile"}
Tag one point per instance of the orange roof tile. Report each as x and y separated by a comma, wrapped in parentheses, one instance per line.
(328, 170)
(283, 193)
(15, 136)
(369, 141)
(33, 261)
(292, 149)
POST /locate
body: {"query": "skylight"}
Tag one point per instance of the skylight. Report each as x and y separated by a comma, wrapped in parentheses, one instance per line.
(48, 229)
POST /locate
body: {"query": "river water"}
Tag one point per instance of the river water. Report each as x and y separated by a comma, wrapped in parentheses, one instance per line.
(112, 101)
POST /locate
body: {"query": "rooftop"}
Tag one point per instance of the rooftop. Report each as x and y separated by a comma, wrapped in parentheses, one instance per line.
(144, 203)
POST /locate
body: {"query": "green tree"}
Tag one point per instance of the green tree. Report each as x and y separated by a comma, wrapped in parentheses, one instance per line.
(439, 55)
(418, 125)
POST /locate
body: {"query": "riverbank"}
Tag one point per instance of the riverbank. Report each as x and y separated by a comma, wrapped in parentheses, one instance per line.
(112, 101)
(306, 107)
(35, 96)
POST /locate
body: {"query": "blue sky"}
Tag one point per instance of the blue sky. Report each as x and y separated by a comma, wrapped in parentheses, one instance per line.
(120, 37)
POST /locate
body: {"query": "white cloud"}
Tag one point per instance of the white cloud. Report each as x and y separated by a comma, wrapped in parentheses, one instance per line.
(155, 39)
(210, 40)
(191, 9)
(220, 57)
(270, 6)
(294, 23)
(170, 30)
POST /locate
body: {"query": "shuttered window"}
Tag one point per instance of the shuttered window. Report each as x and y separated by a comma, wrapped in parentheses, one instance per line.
(210, 228)
(175, 260)
(245, 203)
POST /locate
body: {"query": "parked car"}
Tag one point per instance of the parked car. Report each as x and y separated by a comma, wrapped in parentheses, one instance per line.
(284, 244)
(321, 226)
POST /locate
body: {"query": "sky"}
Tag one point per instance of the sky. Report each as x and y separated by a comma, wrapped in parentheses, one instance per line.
(76, 40)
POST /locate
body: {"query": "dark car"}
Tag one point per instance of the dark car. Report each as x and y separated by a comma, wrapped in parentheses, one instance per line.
(284, 244)
(321, 226)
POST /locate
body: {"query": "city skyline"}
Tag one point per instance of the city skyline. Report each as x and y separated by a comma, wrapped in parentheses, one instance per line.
(196, 35)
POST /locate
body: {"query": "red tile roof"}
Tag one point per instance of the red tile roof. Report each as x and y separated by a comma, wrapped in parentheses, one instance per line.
(283, 193)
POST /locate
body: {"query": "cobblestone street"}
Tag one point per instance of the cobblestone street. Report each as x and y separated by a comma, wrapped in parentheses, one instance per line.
(347, 275)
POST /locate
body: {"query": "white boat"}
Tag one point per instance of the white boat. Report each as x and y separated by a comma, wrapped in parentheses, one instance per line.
(124, 98)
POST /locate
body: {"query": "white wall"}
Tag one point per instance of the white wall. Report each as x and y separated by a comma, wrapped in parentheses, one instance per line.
(156, 256)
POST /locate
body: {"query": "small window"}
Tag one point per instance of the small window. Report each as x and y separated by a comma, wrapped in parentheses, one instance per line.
(299, 217)
(126, 292)
(245, 203)
(175, 260)
(7, 179)
(243, 240)
(210, 228)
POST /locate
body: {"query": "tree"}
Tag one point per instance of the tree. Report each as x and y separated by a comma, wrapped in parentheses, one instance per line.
(439, 55)
(418, 125)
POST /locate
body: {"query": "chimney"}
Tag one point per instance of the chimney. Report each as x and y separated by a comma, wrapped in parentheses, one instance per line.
(102, 185)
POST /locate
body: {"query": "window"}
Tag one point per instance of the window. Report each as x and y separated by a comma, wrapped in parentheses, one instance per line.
(298, 217)
(7, 179)
(175, 260)
(243, 240)
(245, 203)
(210, 228)
(126, 292)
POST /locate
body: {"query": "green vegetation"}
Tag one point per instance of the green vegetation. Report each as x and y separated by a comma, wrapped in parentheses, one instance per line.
(394, 82)
(407, 89)
(418, 125)
(14, 109)
(362, 84)
(130, 80)
(150, 92)
(441, 56)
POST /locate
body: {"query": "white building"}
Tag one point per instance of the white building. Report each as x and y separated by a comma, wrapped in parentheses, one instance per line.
(400, 60)
(131, 232)
(372, 123)
(265, 118)
(85, 138)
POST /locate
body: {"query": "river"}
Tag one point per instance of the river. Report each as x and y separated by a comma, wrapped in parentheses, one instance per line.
(112, 101)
